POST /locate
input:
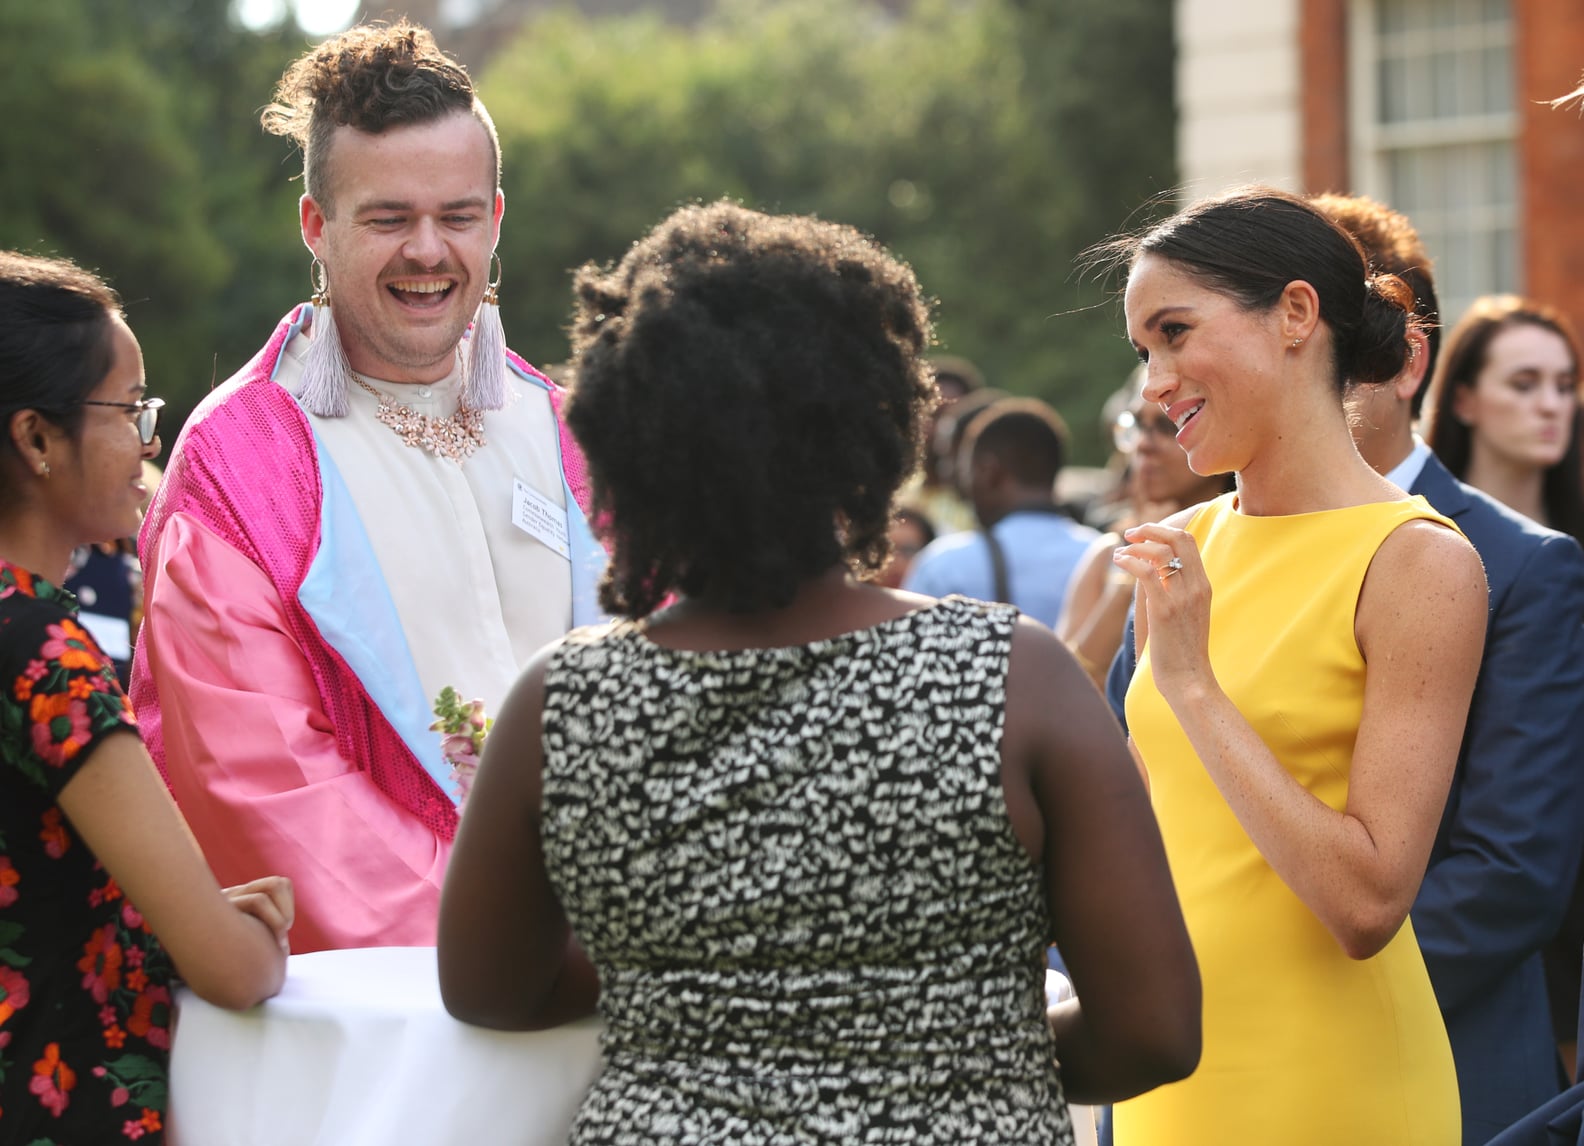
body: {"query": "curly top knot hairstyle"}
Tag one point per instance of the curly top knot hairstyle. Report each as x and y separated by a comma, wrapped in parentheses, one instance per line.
(1251, 243)
(750, 391)
(371, 77)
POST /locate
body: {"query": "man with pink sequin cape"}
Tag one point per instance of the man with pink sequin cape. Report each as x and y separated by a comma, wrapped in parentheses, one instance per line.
(273, 682)
(382, 503)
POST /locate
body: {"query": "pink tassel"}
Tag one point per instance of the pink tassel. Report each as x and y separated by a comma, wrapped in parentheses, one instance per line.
(485, 385)
(322, 389)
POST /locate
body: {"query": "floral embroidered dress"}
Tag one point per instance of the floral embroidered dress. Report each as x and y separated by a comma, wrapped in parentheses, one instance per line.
(85, 988)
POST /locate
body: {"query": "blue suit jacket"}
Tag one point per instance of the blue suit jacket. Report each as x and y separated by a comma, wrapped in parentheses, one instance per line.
(1504, 858)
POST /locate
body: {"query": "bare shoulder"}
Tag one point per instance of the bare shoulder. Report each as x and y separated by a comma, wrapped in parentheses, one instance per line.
(1037, 654)
(530, 682)
(1049, 695)
(1043, 681)
(1424, 574)
(1433, 554)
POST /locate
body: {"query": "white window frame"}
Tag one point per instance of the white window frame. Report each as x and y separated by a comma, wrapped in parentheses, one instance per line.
(1372, 141)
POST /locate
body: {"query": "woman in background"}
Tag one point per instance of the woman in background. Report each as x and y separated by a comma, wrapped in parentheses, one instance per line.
(1502, 409)
(1308, 646)
(1159, 483)
(87, 829)
(814, 834)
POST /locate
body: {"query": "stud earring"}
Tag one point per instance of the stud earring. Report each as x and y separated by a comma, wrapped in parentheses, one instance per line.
(1297, 342)
(44, 469)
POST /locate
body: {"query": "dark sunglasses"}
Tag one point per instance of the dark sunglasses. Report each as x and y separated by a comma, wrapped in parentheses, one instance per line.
(147, 414)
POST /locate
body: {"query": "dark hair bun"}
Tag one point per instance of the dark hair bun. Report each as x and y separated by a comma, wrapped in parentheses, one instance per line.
(1250, 244)
(1378, 349)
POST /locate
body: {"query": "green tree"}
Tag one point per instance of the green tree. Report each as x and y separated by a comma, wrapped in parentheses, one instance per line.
(133, 147)
(974, 138)
(987, 141)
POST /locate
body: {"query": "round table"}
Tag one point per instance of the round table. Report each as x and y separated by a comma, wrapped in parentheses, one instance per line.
(357, 1050)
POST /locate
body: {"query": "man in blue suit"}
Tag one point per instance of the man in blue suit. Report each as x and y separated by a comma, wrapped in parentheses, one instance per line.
(1508, 848)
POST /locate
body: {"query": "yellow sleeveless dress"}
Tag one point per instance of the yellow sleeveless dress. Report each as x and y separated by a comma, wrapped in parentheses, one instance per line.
(1302, 1045)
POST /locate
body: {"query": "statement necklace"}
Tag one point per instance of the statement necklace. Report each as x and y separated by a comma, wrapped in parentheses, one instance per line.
(455, 437)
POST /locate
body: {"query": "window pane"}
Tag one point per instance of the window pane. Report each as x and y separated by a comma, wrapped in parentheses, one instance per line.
(1418, 17)
(1389, 17)
(1393, 87)
(1448, 78)
(1504, 175)
(1504, 257)
(1456, 268)
(1461, 177)
(1450, 63)
(1498, 78)
(1416, 78)
(1402, 183)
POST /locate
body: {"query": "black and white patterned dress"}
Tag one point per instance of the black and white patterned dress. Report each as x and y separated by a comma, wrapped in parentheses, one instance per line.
(794, 870)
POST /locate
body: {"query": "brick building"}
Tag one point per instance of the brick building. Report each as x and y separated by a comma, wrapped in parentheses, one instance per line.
(1438, 107)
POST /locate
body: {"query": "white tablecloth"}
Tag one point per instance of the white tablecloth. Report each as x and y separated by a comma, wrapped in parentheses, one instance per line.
(357, 1050)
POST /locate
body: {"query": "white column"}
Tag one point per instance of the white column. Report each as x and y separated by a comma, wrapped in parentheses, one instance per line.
(1238, 94)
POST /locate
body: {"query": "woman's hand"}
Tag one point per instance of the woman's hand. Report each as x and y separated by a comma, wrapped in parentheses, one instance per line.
(122, 810)
(270, 901)
(1176, 596)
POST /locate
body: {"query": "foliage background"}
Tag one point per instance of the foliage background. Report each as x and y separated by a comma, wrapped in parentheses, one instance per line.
(986, 141)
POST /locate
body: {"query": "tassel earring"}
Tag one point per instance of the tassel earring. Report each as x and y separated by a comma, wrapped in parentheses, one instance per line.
(322, 389)
(485, 385)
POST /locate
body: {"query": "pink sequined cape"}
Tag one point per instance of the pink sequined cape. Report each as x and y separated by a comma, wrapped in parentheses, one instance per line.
(247, 467)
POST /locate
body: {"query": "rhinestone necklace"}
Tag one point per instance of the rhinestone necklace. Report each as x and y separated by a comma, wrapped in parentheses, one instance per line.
(455, 437)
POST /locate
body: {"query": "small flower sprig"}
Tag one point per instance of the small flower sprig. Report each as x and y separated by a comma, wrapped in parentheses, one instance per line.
(463, 727)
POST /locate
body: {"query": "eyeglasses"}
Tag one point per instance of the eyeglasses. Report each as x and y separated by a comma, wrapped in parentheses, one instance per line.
(1130, 429)
(147, 414)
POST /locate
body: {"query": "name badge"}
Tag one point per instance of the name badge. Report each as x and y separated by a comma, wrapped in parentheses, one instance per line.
(539, 517)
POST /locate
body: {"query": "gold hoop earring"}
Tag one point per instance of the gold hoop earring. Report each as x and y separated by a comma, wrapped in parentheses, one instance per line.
(319, 278)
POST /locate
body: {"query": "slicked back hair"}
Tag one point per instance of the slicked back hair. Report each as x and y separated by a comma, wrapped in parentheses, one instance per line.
(1393, 247)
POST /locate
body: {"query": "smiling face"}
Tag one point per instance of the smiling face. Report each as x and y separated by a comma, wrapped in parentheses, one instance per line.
(1210, 363)
(1521, 406)
(415, 215)
(98, 494)
(1158, 466)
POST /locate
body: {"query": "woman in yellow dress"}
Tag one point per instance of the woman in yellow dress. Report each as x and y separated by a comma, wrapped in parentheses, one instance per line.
(1308, 647)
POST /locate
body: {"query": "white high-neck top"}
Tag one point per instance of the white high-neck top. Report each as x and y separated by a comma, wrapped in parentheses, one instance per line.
(477, 595)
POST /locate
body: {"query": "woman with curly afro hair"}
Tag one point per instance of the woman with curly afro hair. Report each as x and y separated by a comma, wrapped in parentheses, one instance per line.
(803, 837)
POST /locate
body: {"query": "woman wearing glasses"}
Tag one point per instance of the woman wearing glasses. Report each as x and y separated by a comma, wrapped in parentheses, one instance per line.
(87, 829)
(1159, 484)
